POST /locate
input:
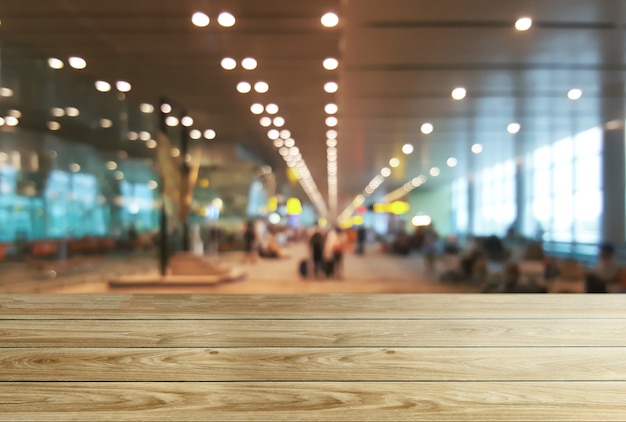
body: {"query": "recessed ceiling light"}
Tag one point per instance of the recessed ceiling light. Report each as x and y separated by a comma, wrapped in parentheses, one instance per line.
(523, 24)
(153, 184)
(72, 111)
(57, 112)
(394, 162)
(279, 121)
(146, 108)
(331, 121)
(103, 86)
(574, 94)
(200, 19)
(74, 167)
(228, 63)
(209, 134)
(279, 143)
(427, 128)
(195, 134)
(175, 152)
(285, 134)
(144, 135)
(53, 125)
(331, 108)
(123, 86)
(166, 108)
(132, 136)
(106, 123)
(186, 121)
(330, 63)
(331, 134)
(171, 121)
(331, 143)
(6, 92)
(513, 128)
(283, 151)
(77, 63)
(55, 63)
(265, 121)
(151, 144)
(257, 108)
(289, 142)
(452, 162)
(477, 148)
(331, 87)
(111, 165)
(273, 134)
(459, 93)
(434, 172)
(271, 108)
(249, 63)
(244, 87)
(385, 172)
(407, 149)
(226, 19)
(261, 87)
(330, 20)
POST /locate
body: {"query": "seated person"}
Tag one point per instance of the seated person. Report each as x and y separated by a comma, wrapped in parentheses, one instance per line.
(605, 271)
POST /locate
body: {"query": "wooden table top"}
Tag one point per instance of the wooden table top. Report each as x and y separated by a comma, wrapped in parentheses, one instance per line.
(326, 357)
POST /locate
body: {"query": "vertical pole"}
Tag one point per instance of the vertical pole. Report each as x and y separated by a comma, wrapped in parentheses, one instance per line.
(185, 171)
(163, 238)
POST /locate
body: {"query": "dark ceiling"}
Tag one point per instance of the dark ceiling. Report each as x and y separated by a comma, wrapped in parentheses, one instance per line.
(399, 61)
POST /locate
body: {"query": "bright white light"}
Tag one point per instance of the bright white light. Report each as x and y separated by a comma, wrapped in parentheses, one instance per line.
(146, 108)
(452, 162)
(284, 151)
(513, 128)
(434, 172)
(273, 134)
(394, 162)
(15, 113)
(77, 63)
(285, 134)
(53, 125)
(244, 87)
(330, 20)
(133, 136)
(331, 143)
(249, 63)
(523, 24)
(175, 152)
(331, 121)
(385, 172)
(574, 94)
(57, 112)
(111, 165)
(274, 218)
(55, 63)
(226, 19)
(271, 109)
(421, 220)
(279, 121)
(123, 86)
(209, 134)
(330, 63)
(106, 123)
(331, 134)
(151, 144)
(186, 121)
(331, 108)
(289, 143)
(228, 63)
(74, 167)
(427, 128)
(200, 19)
(331, 87)
(171, 121)
(103, 86)
(153, 185)
(459, 93)
(118, 175)
(256, 108)
(6, 92)
(477, 148)
(72, 111)
(166, 108)
(144, 135)
(278, 143)
(407, 149)
(195, 134)
(266, 121)
(261, 87)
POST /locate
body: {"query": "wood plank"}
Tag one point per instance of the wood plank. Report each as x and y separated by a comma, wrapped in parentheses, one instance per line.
(311, 307)
(317, 364)
(470, 401)
(303, 333)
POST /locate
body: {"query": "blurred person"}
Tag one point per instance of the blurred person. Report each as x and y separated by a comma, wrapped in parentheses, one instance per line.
(333, 252)
(605, 272)
(316, 246)
(250, 243)
(361, 236)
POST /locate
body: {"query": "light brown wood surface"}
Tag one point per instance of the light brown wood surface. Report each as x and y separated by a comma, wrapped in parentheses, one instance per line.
(291, 358)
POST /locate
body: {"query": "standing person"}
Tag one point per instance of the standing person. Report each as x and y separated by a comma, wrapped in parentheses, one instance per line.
(361, 235)
(333, 252)
(604, 274)
(316, 244)
(249, 239)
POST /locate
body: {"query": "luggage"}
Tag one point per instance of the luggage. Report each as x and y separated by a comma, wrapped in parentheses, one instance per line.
(303, 268)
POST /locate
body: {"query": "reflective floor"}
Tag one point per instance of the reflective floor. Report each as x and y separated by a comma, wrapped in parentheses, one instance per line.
(373, 272)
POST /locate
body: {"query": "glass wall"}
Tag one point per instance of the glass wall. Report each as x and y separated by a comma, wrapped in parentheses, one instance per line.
(494, 199)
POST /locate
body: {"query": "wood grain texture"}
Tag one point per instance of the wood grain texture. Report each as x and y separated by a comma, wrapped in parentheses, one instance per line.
(313, 333)
(560, 401)
(430, 306)
(319, 364)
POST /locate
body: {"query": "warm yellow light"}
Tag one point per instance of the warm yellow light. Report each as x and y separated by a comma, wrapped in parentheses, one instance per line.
(200, 19)
(523, 24)
(330, 20)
